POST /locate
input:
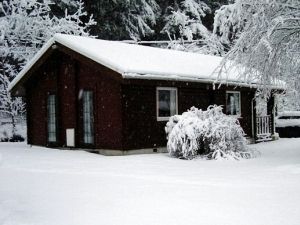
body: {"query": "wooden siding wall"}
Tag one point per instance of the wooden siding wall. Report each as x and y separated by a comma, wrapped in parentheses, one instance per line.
(141, 128)
(36, 103)
(67, 99)
(124, 110)
(66, 77)
(107, 107)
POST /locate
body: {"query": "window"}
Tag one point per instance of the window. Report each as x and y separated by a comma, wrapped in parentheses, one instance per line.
(166, 99)
(233, 103)
(51, 114)
(88, 117)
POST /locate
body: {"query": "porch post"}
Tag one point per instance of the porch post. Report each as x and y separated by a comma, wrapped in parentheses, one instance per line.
(254, 116)
(271, 112)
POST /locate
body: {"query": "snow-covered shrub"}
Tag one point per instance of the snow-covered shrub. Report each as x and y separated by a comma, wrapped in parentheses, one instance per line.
(8, 135)
(210, 132)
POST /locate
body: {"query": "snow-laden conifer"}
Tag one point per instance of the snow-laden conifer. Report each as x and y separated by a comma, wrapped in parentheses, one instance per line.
(124, 19)
(184, 27)
(186, 21)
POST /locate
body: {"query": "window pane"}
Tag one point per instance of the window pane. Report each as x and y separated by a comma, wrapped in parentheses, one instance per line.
(237, 103)
(233, 103)
(173, 102)
(88, 118)
(51, 108)
(164, 103)
(167, 103)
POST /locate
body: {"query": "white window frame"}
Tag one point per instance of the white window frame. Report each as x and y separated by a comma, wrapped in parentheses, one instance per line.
(88, 128)
(240, 100)
(165, 118)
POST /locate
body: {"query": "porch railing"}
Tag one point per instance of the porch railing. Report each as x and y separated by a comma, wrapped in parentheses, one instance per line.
(263, 127)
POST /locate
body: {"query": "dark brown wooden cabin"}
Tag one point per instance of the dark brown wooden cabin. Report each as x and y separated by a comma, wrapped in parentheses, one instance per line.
(75, 102)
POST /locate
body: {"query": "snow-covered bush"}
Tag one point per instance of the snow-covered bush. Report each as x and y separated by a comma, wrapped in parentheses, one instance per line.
(11, 107)
(210, 132)
(7, 134)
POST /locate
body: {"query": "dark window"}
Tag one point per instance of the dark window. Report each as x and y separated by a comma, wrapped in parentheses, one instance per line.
(88, 117)
(233, 103)
(51, 109)
(166, 103)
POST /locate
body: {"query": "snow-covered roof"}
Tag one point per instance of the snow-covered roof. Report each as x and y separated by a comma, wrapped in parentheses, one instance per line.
(289, 113)
(136, 61)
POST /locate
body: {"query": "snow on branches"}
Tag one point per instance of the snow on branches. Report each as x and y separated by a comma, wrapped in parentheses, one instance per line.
(183, 23)
(186, 20)
(268, 34)
(119, 19)
(209, 132)
(26, 25)
(10, 107)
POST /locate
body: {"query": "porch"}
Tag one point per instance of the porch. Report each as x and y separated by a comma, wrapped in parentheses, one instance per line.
(264, 125)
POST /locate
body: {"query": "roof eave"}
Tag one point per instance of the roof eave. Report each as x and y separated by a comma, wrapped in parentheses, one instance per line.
(195, 79)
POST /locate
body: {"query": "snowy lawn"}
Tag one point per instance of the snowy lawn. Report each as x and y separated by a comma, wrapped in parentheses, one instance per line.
(46, 186)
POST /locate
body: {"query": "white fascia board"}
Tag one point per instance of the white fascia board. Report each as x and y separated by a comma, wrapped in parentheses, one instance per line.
(194, 79)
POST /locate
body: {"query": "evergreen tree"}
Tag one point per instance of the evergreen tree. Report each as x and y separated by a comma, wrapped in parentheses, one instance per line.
(184, 20)
(121, 20)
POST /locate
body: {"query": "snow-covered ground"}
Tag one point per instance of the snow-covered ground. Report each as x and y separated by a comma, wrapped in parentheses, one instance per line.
(40, 186)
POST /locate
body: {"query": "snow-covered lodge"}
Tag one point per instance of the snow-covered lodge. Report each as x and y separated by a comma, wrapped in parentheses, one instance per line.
(116, 98)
